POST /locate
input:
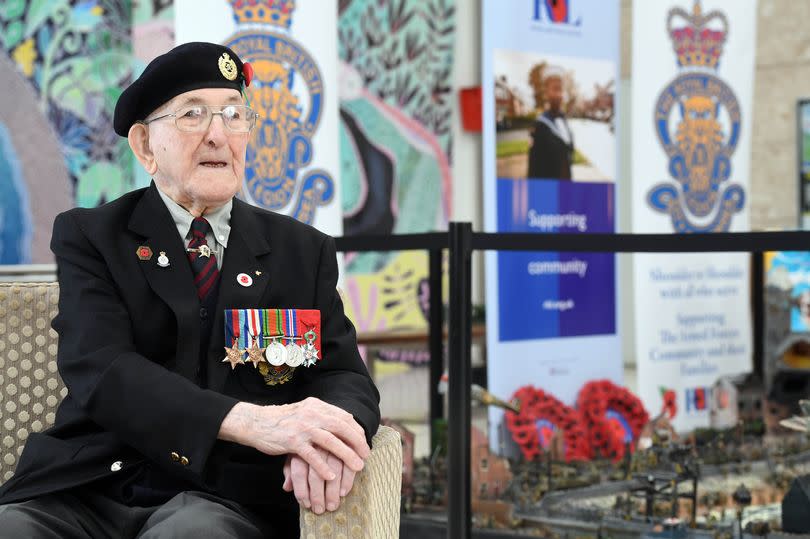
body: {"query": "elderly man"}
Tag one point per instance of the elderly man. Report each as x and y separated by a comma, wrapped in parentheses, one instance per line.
(160, 436)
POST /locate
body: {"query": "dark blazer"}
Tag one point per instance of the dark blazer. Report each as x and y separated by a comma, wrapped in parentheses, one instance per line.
(129, 350)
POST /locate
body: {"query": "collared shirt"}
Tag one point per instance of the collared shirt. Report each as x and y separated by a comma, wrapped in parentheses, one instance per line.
(219, 219)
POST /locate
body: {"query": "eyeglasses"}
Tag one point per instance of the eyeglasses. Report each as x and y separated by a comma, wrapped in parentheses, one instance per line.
(197, 118)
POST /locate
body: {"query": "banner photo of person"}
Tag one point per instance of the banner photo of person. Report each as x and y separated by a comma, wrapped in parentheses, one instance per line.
(550, 162)
(691, 125)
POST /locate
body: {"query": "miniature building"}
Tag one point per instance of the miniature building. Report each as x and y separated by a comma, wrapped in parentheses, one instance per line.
(490, 473)
(796, 505)
(749, 402)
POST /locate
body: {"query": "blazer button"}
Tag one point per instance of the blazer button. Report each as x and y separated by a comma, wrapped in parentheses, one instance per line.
(203, 313)
(116, 466)
(175, 457)
(183, 461)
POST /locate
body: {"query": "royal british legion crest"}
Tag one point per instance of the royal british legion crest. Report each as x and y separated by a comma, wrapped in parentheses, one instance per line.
(288, 94)
(697, 119)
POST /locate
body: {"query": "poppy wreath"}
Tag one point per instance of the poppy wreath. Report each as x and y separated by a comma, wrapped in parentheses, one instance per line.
(613, 416)
(541, 415)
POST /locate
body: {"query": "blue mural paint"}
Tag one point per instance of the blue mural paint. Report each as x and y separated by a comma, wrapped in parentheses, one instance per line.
(16, 229)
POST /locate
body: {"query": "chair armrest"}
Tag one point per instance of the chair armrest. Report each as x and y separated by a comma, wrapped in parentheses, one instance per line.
(371, 510)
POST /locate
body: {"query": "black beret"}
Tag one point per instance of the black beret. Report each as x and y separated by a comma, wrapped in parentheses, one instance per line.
(187, 67)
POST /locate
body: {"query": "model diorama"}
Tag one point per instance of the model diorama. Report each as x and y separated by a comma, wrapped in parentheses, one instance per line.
(605, 468)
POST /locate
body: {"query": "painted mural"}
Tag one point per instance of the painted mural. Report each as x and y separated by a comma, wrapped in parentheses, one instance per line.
(65, 63)
(395, 145)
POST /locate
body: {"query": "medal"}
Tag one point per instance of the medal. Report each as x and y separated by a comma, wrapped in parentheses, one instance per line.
(233, 355)
(310, 352)
(254, 327)
(295, 355)
(275, 341)
(233, 331)
(254, 353)
(276, 354)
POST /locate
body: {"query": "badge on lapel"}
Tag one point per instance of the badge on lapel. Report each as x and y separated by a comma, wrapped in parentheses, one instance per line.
(275, 341)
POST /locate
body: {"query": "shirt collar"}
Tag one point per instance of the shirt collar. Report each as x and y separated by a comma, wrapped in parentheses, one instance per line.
(219, 219)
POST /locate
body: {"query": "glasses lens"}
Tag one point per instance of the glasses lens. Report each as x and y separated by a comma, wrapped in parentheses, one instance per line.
(239, 118)
(192, 118)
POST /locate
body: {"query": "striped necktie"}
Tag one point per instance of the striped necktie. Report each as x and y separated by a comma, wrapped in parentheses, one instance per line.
(203, 260)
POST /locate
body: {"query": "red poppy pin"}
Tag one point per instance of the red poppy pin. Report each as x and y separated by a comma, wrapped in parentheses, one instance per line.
(247, 71)
(144, 252)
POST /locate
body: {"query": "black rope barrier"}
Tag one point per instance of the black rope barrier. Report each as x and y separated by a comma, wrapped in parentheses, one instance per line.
(751, 242)
(462, 242)
(393, 242)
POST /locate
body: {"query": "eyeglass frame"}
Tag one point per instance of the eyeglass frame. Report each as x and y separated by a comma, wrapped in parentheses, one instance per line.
(174, 115)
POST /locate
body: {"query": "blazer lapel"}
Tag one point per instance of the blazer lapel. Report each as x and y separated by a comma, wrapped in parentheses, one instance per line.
(248, 253)
(174, 284)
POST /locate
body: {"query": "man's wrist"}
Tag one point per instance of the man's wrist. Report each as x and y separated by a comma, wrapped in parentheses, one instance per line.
(237, 425)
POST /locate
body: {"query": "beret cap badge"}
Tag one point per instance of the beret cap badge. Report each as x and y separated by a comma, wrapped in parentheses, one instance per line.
(227, 67)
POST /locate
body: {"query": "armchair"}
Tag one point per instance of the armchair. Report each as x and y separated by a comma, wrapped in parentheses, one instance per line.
(31, 389)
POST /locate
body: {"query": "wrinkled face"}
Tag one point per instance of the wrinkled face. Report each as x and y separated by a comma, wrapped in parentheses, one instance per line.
(203, 168)
(554, 93)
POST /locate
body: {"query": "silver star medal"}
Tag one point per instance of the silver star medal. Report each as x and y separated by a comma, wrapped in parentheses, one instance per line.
(310, 352)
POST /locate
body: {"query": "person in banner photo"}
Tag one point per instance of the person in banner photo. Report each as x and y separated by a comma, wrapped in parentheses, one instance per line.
(214, 382)
(552, 149)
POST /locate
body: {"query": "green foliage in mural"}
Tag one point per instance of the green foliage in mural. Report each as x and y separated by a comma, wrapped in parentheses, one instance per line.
(77, 55)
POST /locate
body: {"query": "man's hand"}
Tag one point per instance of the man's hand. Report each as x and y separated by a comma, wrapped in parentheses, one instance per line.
(311, 429)
(311, 490)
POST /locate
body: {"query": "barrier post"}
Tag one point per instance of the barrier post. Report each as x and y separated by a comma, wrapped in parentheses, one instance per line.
(459, 515)
(435, 345)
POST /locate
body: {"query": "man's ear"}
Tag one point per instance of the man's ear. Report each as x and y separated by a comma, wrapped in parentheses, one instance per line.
(138, 138)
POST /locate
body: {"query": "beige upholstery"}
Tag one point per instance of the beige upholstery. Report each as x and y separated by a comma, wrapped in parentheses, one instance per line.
(30, 390)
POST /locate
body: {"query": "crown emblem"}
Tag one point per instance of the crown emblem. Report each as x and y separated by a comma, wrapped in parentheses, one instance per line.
(272, 12)
(697, 38)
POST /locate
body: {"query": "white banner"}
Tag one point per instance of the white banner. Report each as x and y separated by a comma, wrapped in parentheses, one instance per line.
(293, 162)
(549, 71)
(692, 85)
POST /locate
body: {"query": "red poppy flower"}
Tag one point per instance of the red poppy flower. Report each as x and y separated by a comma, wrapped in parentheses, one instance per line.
(247, 71)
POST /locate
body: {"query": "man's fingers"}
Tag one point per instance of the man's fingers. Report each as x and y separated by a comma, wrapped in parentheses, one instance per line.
(340, 422)
(287, 486)
(332, 490)
(346, 480)
(332, 444)
(316, 461)
(299, 472)
(317, 488)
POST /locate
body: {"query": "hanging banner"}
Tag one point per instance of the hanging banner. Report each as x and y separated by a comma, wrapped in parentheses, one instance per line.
(293, 163)
(692, 88)
(549, 72)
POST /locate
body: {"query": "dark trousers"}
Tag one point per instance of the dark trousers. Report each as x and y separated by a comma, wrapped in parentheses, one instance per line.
(87, 514)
